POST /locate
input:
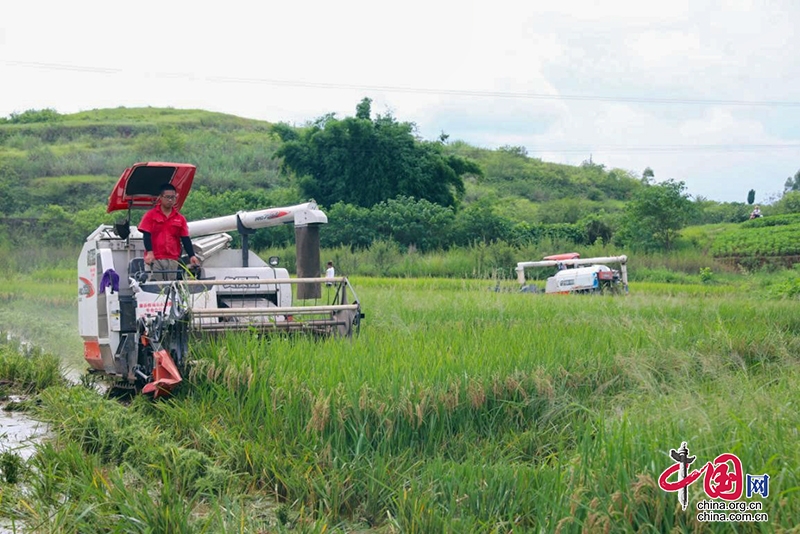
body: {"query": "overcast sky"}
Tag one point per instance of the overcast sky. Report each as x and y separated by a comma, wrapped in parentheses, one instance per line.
(703, 92)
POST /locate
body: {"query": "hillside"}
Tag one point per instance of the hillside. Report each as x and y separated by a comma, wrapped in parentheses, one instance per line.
(75, 157)
(57, 170)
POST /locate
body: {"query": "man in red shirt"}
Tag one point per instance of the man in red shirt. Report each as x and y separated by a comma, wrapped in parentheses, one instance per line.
(164, 229)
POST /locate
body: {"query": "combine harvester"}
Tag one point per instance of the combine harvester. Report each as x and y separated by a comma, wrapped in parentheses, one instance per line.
(137, 330)
(576, 275)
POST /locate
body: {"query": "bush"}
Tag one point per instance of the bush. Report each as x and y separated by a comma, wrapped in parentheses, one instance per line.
(31, 116)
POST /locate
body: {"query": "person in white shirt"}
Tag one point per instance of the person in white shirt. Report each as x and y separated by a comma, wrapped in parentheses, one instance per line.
(330, 273)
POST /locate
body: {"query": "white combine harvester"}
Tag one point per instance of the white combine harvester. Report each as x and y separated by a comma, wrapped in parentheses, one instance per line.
(137, 330)
(579, 275)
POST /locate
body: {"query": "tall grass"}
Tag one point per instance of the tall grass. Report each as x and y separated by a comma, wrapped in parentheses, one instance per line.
(498, 261)
(25, 370)
(458, 409)
(38, 302)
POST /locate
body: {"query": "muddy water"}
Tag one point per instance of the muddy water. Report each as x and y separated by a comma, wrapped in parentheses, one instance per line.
(18, 432)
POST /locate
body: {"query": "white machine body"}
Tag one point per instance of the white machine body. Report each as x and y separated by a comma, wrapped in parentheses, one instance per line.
(236, 289)
(579, 275)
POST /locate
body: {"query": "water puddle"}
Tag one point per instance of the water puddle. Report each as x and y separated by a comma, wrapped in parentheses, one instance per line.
(18, 432)
(18, 435)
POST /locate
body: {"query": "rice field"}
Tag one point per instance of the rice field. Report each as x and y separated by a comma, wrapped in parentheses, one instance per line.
(457, 409)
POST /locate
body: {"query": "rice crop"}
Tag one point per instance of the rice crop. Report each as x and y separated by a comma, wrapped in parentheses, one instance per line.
(457, 409)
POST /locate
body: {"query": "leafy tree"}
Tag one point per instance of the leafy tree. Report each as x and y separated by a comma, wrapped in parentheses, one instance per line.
(479, 223)
(591, 165)
(648, 175)
(597, 227)
(792, 183)
(348, 225)
(364, 109)
(654, 216)
(419, 223)
(712, 212)
(284, 132)
(751, 196)
(789, 203)
(364, 162)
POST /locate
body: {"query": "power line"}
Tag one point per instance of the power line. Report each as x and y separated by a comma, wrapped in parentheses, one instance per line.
(62, 66)
(413, 90)
(652, 149)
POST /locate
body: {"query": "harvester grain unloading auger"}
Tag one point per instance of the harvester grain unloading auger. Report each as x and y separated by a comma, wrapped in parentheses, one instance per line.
(137, 330)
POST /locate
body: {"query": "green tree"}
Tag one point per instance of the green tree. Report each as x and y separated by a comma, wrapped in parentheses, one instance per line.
(596, 226)
(792, 183)
(419, 223)
(348, 225)
(364, 109)
(479, 223)
(655, 214)
(751, 196)
(363, 162)
(789, 203)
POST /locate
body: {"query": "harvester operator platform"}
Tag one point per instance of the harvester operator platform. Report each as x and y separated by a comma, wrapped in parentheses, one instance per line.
(164, 229)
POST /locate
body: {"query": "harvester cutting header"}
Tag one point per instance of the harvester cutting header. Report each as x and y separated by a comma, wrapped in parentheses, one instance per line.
(137, 328)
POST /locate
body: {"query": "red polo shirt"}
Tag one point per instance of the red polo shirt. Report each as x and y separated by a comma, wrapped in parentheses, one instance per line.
(166, 232)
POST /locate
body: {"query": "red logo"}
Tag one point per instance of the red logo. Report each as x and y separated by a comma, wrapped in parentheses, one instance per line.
(86, 289)
(723, 478)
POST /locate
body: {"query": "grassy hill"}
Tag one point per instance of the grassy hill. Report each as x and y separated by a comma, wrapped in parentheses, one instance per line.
(60, 168)
(83, 152)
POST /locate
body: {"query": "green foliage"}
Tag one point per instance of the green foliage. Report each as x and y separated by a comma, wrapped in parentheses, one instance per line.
(414, 223)
(712, 212)
(564, 210)
(14, 196)
(348, 225)
(364, 162)
(70, 192)
(11, 467)
(461, 410)
(706, 275)
(789, 288)
(71, 162)
(654, 216)
(792, 183)
(160, 144)
(773, 220)
(512, 174)
(478, 222)
(759, 238)
(32, 116)
(789, 203)
(27, 371)
(597, 227)
(458, 409)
